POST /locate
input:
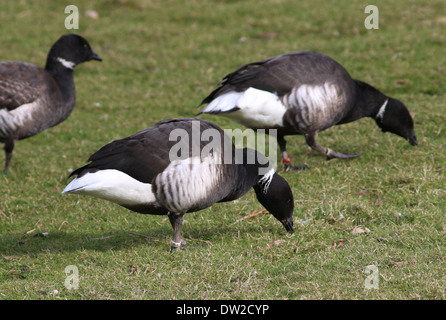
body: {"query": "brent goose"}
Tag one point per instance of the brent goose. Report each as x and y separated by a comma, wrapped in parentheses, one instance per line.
(33, 99)
(304, 92)
(172, 168)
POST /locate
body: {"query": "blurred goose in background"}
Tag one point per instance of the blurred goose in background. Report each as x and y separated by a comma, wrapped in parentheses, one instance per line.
(33, 99)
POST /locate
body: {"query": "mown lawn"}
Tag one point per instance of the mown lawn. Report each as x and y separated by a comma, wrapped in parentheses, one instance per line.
(160, 59)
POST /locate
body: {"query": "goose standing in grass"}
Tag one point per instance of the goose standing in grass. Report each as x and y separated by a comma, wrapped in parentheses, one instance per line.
(152, 172)
(304, 92)
(33, 99)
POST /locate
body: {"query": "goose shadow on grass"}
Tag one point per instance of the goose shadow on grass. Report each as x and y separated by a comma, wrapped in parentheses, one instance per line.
(16, 244)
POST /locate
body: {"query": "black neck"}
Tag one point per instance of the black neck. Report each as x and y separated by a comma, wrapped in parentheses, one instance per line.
(64, 77)
(367, 102)
(247, 174)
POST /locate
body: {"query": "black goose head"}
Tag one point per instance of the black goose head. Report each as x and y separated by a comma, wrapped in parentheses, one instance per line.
(272, 190)
(394, 117)
(71, 50)
(274, 193)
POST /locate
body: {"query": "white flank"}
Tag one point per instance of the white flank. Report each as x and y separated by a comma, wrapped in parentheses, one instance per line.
(257, 108)
(112, 185)
(187, 183)
(66, 63)
(381, 111)
(316, 103)
(12, 120)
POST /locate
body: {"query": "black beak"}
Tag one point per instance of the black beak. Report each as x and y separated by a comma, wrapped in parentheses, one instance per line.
(288, 224)
(413, 140)
(95, 56)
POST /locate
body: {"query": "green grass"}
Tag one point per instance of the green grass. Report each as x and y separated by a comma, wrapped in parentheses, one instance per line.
(160, 59)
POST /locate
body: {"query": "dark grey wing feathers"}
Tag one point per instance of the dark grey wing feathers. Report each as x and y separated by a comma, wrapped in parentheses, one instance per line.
(138, 156)
(13, 94)
(20, 83)
(280, 74)
(144, 154)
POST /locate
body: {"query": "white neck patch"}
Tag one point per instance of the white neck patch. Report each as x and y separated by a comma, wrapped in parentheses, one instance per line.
(381, 111)
(265, 181)
(67, 64)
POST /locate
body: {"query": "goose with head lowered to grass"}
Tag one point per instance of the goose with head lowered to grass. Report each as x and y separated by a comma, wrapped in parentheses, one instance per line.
(33, 99)
(179, 166)
(303, 93)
